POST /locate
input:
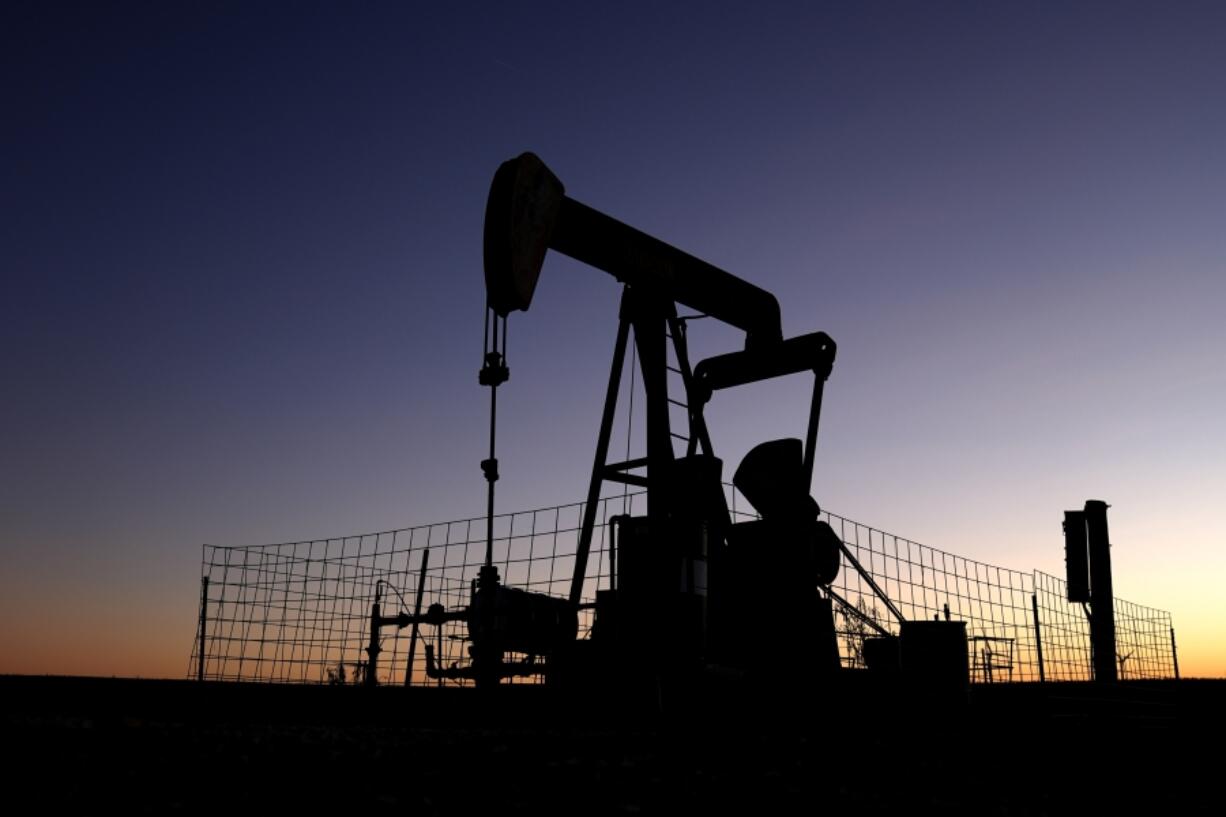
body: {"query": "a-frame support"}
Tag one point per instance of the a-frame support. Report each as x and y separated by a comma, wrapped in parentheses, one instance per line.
(655, 322)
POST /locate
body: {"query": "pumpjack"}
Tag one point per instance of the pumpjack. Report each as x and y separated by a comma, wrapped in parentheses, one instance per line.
(688, 585)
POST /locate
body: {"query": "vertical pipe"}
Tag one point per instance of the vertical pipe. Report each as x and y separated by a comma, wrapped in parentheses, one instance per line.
(204, 618)
(1174, 654)
(1102, 597)
(491, 475)
(492, 373)
(1038, 635)
(421, 587)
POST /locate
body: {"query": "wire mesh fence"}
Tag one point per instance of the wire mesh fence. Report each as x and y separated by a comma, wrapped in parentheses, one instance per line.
(926, 583)
(300, 612)
(1066, 628)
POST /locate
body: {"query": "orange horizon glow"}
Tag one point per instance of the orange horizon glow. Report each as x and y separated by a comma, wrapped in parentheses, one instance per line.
(244, 257)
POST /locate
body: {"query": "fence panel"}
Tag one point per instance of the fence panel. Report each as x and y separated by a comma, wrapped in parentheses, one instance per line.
(299, 612)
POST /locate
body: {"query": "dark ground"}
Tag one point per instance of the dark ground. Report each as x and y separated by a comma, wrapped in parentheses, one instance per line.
(102, 745)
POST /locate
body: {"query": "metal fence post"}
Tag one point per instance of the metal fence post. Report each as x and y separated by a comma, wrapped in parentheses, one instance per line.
(1174, 654)
(1038, 635)
(204, 618)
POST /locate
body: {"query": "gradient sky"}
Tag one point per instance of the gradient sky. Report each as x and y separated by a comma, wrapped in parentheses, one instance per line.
(242, 281)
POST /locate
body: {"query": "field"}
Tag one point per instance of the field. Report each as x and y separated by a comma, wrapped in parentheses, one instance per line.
(99, 745)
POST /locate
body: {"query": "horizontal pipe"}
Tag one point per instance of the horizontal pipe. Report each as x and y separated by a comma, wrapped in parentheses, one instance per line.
(404, 619)
(506, 669)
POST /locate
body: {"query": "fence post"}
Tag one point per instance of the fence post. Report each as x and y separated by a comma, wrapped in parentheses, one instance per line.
(1038, 635)
(371, 679)
(204, 618)
(1174, 654)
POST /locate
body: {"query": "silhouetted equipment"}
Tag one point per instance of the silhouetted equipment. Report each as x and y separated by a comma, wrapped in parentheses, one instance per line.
(524, 622)
(772, 477)
(881, 654)
(1076, 556)
(1102, 596)
(1087, 556)
(933, 653)
(683, 589)
(687, 587)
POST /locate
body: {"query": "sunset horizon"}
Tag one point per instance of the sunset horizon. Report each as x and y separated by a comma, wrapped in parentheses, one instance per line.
(244, 266)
